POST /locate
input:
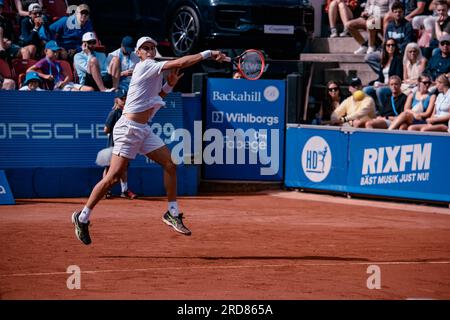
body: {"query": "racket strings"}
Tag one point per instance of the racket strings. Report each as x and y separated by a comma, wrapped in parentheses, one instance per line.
(252, 64)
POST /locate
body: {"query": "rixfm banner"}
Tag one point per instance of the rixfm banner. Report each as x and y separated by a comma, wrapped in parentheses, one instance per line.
(244, 136)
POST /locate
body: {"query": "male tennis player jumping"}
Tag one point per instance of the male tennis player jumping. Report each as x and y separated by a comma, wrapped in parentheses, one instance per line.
(132, 134)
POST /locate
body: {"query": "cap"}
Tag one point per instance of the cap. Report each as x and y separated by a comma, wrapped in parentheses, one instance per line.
(71, 9)
(143, 40)
(88, 36)
(52, 45)
(34, 7)
(355, 82)
(444, 37)
(82, 7)
(120, 93)
(127, 44)
(32, 75)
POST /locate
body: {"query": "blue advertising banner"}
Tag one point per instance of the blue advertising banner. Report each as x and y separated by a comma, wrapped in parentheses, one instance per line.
(65, 129)
(6, 196)
(316, 158)
(244, 136)
(399, 165)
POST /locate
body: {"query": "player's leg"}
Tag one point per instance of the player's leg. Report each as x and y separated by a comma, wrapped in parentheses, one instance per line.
(172, 217)
(81, 218)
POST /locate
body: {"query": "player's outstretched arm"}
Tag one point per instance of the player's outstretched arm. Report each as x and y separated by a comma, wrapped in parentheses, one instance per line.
(192, 59)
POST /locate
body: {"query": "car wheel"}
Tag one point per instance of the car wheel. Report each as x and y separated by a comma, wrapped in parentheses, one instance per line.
(184, 31)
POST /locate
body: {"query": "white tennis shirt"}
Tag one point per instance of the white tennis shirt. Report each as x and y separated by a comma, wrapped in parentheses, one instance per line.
(145, 86)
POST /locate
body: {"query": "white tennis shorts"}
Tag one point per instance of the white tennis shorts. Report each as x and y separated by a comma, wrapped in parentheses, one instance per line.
(131, 138)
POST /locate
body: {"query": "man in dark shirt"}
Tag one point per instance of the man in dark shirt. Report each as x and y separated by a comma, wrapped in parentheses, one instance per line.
(440, 61)
(32, 28)
(392, 108)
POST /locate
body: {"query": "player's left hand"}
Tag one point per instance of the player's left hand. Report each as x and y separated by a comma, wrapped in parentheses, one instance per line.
(173, 77)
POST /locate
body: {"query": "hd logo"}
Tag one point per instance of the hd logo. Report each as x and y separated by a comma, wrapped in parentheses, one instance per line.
(316, 159)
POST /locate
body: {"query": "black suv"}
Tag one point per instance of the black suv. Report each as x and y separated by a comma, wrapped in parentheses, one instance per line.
(187, 26)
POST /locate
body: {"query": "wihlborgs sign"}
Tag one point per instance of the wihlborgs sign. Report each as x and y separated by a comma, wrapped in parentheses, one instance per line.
(244, 136)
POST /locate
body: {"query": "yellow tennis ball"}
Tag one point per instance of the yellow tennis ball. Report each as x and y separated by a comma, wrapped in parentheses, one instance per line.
(358, 95)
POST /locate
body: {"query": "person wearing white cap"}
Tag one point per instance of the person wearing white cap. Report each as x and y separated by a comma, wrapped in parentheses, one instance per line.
(23, 6)
(34, 30)
(133, 135)
(92, 66)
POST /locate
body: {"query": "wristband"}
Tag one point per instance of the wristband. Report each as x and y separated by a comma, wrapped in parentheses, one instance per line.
(206, 54)
(167, 88)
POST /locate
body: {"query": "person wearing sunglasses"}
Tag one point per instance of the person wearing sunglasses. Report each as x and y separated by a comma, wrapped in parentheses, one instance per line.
(69, 31)
(441, 112)
(391, 65)
(418, 107)
(355, 110)
(132, 133)
(333, 98)
(440, 61)
(92, 67)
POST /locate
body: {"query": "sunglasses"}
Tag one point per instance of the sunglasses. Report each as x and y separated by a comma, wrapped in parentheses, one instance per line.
(85, 12)
(37, 13)
(390, 44)
(427, 83)
(146, 48)
(444, 43)
(333, 89)
(92, 42)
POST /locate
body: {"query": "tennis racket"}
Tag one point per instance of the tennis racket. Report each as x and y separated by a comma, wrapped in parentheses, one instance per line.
(250, 64)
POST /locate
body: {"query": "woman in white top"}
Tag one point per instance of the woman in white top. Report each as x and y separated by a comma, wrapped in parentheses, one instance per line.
(418, 107)
(413, 66)
(441, 115)
(132, 134)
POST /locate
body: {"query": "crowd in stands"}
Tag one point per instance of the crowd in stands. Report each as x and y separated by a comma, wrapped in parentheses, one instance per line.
(62, 51)
(408, 47)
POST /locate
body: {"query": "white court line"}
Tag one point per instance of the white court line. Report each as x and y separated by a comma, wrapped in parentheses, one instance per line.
(230, 267)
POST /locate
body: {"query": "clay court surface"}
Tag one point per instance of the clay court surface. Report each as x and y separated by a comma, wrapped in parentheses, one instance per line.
(273, 245)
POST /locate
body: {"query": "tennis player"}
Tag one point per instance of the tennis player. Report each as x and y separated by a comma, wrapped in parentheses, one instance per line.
(132, 134)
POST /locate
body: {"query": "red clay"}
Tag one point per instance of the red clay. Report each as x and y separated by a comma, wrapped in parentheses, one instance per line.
(259, 246)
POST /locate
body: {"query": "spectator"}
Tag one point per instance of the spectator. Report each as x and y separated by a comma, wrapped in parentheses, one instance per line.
(9, 50)
(32, 82)
(357, 109)
(49, 69)
(417, 12)
(113, 117)
(92, 67)
(429, 24)
(342, 8)
(371, 20)
(124, 59)
(7, 84)
(391, 108)
(69, 31)
(399, 29)
(441, 113)
(413, 66)
(333, 98)
(23, 5)
(32, 28)
(391, 64)
(418, 107)
(440, 61)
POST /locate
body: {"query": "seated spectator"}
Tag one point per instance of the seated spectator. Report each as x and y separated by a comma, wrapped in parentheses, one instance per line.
(399, 29)
(23, 5)
(333, 98)
(31, 29)
(413, 66)
(69, 31)
(92, 67)
(32, 82)
(7, 84)
(391, 64)
(441, 113)
(342, 8)
(357, 109)
(124, 59)
(8, 49)
(370, 20)
(391, 108)
(418, 107)
(53, 74)
(440, 61)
